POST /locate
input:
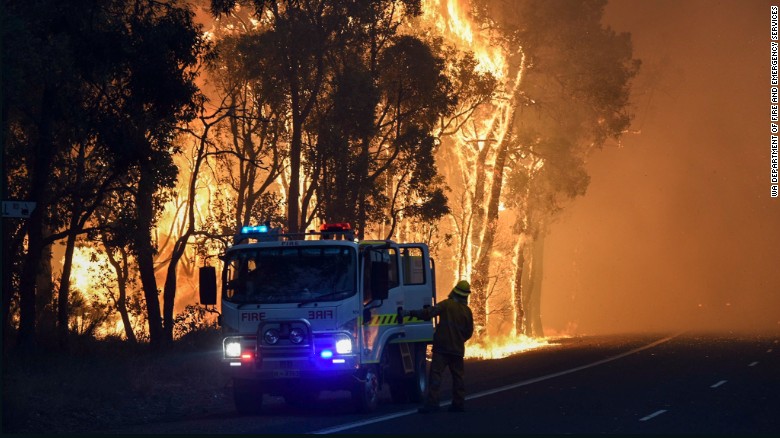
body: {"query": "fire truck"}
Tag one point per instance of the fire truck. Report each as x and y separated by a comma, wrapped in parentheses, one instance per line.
(322, 311)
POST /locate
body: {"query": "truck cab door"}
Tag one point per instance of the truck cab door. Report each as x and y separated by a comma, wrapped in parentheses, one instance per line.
(418, 275)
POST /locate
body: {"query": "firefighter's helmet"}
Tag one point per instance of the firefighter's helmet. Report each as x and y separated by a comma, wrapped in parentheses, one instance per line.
(462, 288)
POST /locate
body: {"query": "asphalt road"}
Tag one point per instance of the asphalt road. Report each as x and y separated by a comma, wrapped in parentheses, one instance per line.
(673, 383)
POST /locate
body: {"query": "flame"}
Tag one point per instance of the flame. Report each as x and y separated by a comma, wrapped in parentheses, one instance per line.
(82, 273)
(474, 149)
(88, 276)
(446, 18)
(452, 22)
(504, 346)
(457, 24)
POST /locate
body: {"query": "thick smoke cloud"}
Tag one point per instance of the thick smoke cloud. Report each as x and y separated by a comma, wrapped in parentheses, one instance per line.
(677, 229)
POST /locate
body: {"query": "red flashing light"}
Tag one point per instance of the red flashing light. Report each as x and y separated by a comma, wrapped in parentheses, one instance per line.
(340, 226)
(247, 356)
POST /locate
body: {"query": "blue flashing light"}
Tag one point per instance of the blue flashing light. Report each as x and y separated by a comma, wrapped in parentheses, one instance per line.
(326, 354)
(254, 229)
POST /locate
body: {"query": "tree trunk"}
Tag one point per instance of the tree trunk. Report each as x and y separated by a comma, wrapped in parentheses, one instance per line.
(46, 313)
(7, 285)
(169, 292)
(293, 194)
(481, 271)
(362, 178)
(40, 157)
(528, 285)
(536, 293)
(26, 336)
(145, 254)
(534, 290)
(517, 286)
(122, 275)
(477, 205)
(64, 293)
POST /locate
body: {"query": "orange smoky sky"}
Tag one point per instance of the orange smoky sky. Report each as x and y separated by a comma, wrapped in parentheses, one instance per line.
(678, 229)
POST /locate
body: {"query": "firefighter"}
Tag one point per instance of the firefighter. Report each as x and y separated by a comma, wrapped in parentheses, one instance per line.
(454, 328)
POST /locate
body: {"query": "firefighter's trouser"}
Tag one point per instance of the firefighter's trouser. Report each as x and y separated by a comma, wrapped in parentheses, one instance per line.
(438, 363)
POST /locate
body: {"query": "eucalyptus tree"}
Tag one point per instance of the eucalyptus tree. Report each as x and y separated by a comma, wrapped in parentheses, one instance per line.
(297, 36)
(155, 94)
(573, 98)
(376, 143)
(252, 142)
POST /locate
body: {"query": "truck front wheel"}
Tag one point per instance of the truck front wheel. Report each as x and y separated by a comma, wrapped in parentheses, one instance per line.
(365, 393)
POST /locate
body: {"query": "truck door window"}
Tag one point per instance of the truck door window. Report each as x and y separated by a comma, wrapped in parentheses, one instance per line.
(392, 273)
(414, 269)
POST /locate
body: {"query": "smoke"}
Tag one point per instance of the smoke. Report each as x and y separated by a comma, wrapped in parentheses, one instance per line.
(677, 229)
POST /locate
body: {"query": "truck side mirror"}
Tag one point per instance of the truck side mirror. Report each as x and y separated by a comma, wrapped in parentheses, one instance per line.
(207, 277)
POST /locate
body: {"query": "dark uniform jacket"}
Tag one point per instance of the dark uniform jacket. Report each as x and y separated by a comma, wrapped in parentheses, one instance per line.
(455, 326)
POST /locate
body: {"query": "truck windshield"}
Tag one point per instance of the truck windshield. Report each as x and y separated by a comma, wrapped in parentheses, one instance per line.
(290, 274)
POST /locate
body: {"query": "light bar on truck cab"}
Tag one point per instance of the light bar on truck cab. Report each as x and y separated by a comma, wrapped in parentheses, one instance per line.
(339, 230)
(263, 233)
(340, 226)
(252, 229)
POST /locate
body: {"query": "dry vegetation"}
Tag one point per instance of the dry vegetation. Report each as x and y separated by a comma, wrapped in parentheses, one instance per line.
(105, 385)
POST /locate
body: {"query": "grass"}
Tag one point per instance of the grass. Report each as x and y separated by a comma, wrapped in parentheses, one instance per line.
(104, 385)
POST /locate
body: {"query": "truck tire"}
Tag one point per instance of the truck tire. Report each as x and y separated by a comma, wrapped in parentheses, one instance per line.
(411, 387)
(247, 396)
(365, 392)
(394, 374)
(417, 383)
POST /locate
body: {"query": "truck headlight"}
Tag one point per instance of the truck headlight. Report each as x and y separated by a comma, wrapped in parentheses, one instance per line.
(343, 344)
(271, 336)
(297, 335)
(232, 348)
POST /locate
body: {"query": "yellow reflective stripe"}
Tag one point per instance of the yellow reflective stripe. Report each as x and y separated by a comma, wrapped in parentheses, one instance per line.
(391, 319)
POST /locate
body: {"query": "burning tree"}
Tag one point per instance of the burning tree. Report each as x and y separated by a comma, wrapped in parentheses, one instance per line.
(366, 112)
(564, 92)
(104, 98)
(360, 100)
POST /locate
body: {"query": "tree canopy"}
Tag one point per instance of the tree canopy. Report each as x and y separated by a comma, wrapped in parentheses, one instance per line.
(122, 115)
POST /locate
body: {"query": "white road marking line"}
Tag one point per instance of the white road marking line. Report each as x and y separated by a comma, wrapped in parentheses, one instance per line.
(752, 364)
(718, 384)
(336, 429)
(653, 415)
